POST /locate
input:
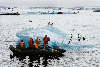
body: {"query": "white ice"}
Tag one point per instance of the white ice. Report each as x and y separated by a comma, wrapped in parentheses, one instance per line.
(87, 24)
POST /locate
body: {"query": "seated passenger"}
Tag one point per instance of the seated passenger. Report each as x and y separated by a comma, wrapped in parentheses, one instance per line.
(45, 41)
(31, 42)
(36, 46)
(38, 41)
(21, 43)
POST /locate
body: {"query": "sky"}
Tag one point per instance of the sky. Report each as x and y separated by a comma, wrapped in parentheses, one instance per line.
(50, 3)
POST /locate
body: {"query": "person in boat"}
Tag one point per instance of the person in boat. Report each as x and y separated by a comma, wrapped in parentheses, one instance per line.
(35, 44)
(21, 43)
(31, 42)
(38, 41)
(45, 41)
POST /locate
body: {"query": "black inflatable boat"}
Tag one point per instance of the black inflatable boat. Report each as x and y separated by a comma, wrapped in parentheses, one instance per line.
(31, 51)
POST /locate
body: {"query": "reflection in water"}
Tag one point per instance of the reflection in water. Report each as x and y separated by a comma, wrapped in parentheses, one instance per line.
(37, 59)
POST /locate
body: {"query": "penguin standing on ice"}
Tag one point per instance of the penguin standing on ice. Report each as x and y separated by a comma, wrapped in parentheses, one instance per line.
(83, 38)
(71, 36)
(50, 24)
(30, 20)
(70, 39)
(79, 38)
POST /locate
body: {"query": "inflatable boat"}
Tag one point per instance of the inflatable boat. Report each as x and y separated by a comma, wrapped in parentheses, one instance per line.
(32, 51)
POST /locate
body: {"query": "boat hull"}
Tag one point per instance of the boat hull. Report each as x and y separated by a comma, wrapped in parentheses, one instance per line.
(30, 51)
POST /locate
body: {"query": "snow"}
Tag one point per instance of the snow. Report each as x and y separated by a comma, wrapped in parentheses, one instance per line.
(79, 53)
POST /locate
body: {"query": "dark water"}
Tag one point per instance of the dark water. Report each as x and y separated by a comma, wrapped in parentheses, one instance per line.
(39, 61)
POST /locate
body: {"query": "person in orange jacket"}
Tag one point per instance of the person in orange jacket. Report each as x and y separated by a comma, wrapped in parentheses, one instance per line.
(21, 43)
(36, 46)
(38, 41)
(31, 42)
(45, 41)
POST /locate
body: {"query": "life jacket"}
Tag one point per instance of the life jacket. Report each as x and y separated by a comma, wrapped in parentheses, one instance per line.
(46, 39)
(22, 44)
(36, 46)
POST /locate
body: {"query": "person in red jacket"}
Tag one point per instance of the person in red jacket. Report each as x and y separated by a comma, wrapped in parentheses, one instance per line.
(37, 40)
(45, 41)
(31, 42)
